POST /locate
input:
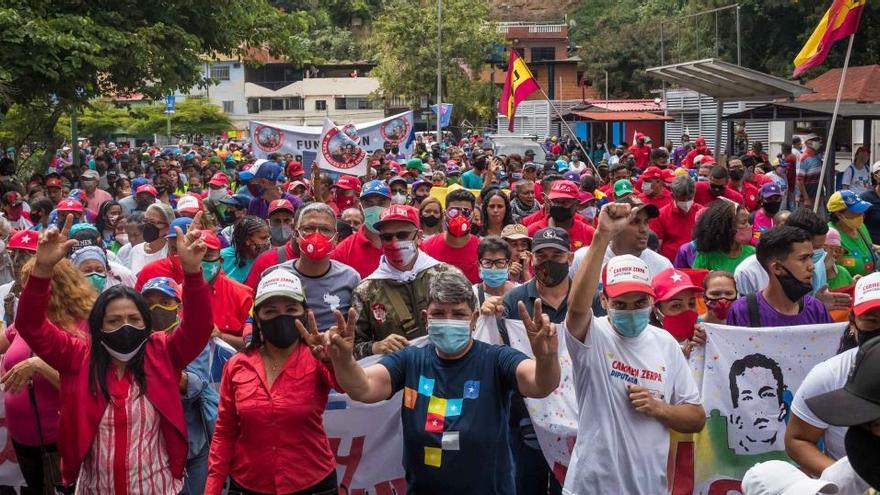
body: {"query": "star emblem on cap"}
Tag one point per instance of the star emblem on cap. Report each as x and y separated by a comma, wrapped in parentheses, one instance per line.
(68, 203)
(26, 239)
(676, 277)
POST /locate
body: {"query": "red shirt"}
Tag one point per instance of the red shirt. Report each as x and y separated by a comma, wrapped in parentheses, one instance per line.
(266, 260)
(359, 253)
(465, 258)
(704, 197)
(534, 217)
(248, 444)
(642, 155)
(661, 200)
(231, 301)
(674, 227)
(749, 193)
(688, 161)
(579, 234)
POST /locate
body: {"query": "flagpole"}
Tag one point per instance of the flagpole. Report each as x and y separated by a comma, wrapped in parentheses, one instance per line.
(830, 141)
(576, 140)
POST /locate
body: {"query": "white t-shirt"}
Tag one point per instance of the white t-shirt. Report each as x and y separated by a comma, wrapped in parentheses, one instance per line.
(750, 276)
(858, 181)
(656, 262)
(138, 258)
(121, 276)
(824, 377)
(619, 450)
(124, 255)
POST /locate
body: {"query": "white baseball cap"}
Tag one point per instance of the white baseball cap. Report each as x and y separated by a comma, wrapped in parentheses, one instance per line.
(626, 273)
(188, 203)
(875, 167)
(867, 294)
(280, 281)
(782, 478)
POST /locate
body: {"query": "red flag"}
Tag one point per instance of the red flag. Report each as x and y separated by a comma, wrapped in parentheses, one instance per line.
(839, 21)
(518, 85)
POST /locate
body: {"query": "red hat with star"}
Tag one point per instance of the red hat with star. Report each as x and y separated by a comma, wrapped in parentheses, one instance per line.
(69, 205)
(671, 282)
(26, 240)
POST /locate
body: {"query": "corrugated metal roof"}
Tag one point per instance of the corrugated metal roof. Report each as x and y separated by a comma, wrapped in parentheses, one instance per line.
(725, 81)
(634, 105)
(620, 116)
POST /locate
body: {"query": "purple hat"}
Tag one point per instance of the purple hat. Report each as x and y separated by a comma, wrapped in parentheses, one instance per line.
(770, 189)
(572, 176)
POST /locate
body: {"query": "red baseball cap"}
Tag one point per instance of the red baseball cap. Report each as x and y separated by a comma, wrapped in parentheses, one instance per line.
(219, 179)
(626, 273)
(399, 213)
(293, 185)
(563, 189)
(189, 204)
(348, 183)
(668, 175)
(210, 238)
(26, 240)
(70, 205)
(295, 168)
(147, 188)
(670, 282)
(585, 197)
(651, 173)
(281, 204)
(12, 198)
(53, 182)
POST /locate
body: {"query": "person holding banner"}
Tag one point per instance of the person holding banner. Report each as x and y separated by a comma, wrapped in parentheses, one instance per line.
(270, 435)
(632, 381)
(456, 390)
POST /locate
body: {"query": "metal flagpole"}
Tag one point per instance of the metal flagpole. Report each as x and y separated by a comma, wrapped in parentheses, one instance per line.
(830, 141)
(571, 132)
(439, 69)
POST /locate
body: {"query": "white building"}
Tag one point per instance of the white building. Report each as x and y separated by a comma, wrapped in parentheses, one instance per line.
(306, 101)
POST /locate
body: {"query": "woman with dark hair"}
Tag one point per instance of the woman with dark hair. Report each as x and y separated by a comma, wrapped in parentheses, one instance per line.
(41, 211)
(496, 212)
(108, 216)
(250, 238)
(723, 237)
(121, 426)
(277, 369)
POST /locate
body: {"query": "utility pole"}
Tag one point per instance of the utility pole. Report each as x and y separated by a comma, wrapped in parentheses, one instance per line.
(439, 68)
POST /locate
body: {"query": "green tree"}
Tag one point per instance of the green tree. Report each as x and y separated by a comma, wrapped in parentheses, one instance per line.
(191, 116)
(97, 120)
(404, 38)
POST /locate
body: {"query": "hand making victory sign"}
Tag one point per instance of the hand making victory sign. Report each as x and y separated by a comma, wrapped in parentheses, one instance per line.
(541, 333)
(53, 246)
(316, 341)
(191, 248)
(341, 335)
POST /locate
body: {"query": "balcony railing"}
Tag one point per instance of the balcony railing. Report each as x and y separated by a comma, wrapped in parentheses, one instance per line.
(533, 27)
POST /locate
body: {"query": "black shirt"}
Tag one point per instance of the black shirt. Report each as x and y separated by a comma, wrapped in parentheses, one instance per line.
(528, 293)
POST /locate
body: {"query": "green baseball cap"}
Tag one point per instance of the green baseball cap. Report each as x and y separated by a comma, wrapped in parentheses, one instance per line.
(623, 187)
(417, 164)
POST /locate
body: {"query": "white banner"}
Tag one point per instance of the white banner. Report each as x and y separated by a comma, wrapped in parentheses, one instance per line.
(307, 141)
(749, 377)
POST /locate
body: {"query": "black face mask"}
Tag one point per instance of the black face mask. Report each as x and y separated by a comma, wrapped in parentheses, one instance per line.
(737, 174)
(126, 339)
(716, 190)
(430, 221)
(161, 189)
(151, 232)
(143, 204)
(551, 273)
(281, 331)
(793, 288)
(561, 213)
(863, 336)
(418, 199)
(475, 229)
(772, 207)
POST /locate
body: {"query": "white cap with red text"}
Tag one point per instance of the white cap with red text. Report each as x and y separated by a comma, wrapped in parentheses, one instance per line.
(279, 281)
(626, 273)
(867, 294)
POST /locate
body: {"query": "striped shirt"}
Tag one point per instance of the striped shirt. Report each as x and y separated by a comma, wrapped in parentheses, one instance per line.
(128, 455)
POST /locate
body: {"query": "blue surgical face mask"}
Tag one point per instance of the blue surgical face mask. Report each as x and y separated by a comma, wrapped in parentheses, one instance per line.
(210, 269)
(371, 216)
(820, 275)
(449, 336)
(630, 322)
(493, 277)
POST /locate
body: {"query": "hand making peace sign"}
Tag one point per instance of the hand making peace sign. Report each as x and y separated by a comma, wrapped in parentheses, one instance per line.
(541, 333)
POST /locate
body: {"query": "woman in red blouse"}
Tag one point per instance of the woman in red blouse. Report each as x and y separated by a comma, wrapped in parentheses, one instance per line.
(269, 437)
(122, 428)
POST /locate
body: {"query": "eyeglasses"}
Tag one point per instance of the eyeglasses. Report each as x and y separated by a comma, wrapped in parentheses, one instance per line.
(454, 212)
(496, 263)
(325, 231)
(403, 235)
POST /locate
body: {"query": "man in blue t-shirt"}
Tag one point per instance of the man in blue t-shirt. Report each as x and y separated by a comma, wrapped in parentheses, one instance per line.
(456, 390)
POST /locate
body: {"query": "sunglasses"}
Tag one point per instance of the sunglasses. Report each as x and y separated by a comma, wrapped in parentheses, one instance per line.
(403, 235)
(454, 212)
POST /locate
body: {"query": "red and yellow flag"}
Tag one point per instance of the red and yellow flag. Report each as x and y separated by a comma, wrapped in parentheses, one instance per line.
(840, 21)
(518, 85)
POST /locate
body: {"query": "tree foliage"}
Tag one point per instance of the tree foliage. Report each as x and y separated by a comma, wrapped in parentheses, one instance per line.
(404, 38)
(623, 37)
(191, 116)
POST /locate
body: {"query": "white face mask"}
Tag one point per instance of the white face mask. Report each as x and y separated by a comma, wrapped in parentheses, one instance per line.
(398, 198)
(400, 253)
(815, 144)
(122, 239)
(685, 206)
(216, 194)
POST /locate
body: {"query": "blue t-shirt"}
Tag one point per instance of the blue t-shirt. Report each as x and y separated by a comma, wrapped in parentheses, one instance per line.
(455, 418)
(471, 180)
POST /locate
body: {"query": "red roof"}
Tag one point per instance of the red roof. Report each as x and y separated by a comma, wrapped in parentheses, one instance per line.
(861, 85)
(635, 105)
(619, 116)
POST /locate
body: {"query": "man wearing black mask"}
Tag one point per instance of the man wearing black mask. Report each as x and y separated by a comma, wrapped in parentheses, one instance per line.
(561, 206)
(716, 187)
(806, 425)
(739, 171)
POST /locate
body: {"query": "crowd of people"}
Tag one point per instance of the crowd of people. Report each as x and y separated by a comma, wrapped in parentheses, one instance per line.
(125, 267)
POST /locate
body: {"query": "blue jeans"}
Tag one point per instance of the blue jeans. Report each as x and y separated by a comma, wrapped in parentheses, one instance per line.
(196, 473)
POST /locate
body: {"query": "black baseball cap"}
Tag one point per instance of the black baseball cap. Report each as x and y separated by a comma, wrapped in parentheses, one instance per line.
(637, 204)
(554, 237)
(863, 452)
(858, 402)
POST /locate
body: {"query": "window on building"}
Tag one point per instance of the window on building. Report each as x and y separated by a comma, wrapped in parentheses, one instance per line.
(277, 103)
(521, 52)
(340, 104)
(253, 105)
(294, 103)
(220, 72)
(320, 104)
(228, 107)
(543, 53)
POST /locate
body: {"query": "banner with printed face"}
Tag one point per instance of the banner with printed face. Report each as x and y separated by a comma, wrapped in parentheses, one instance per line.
(748, 378)
(268, 138)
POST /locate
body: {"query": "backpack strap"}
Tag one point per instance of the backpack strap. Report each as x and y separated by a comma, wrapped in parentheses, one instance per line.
(282, 254)
(481, 296)
(754, 314)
